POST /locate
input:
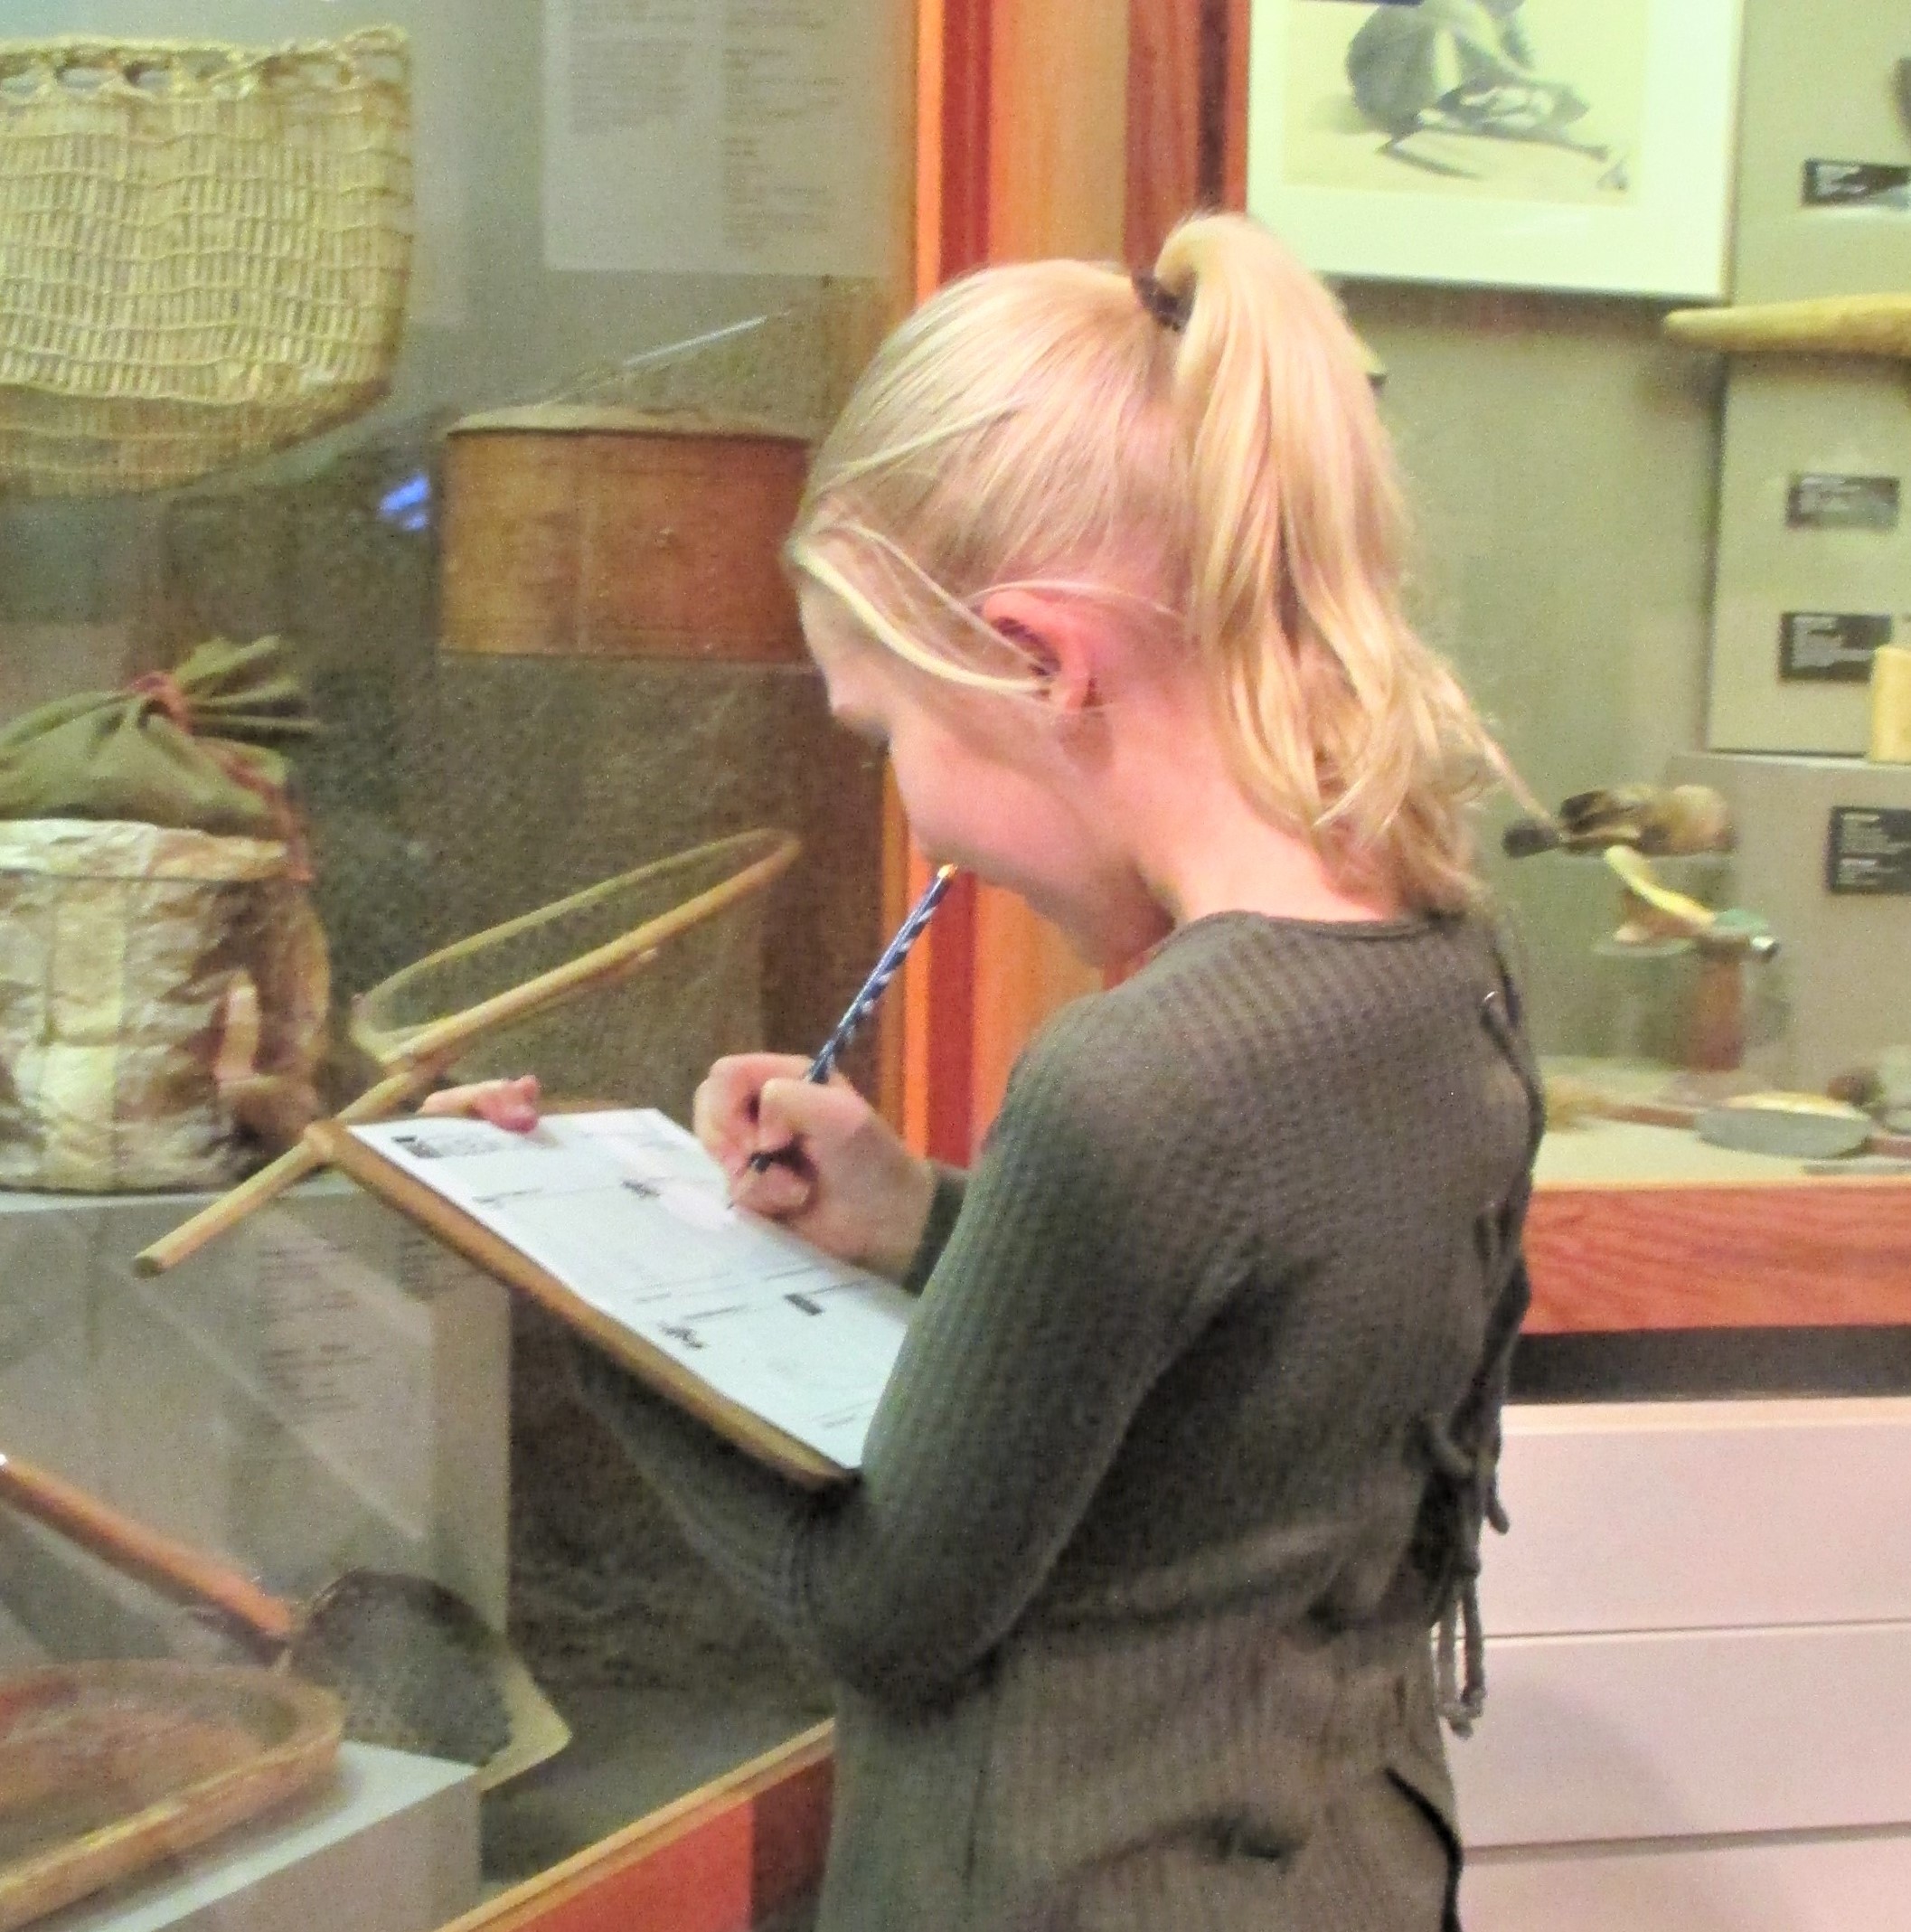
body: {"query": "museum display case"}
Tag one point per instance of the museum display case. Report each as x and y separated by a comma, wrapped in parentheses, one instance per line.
(401, 410)
(1661, 543)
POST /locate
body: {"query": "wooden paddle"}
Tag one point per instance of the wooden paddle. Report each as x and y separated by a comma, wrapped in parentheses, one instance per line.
(415, 1665)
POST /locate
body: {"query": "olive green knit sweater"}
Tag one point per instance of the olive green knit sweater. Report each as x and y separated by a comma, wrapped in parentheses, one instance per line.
(1185, 1452)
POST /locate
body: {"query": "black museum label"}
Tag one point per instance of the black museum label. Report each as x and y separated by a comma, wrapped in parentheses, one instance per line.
(1830, 646)
(1823, 500)
(1867, 849)
(1857, 185)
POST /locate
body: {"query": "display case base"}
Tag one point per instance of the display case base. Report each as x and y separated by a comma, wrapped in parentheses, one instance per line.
(390, 1845)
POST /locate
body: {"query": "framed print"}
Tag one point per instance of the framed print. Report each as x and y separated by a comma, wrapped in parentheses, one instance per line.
(1535, 144)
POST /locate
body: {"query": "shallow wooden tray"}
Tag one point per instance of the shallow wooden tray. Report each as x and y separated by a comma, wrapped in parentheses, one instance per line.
(106, 1769)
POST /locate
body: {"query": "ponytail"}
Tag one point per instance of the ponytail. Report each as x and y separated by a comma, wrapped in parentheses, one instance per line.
(1212, 424)
(1343, 726)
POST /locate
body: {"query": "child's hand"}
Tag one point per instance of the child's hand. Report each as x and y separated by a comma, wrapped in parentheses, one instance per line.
(841, 1179)
(509, 1103)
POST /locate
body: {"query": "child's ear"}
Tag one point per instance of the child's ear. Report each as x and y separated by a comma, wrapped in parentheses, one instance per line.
(1060, 637)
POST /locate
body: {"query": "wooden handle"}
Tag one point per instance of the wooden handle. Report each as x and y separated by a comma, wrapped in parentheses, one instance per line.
(1715, 1035)
(441, 1040)
(1838, 324)
(183, 1574)
(258, 1190)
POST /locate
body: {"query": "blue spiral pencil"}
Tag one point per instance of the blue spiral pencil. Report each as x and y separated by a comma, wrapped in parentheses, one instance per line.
(872, 989)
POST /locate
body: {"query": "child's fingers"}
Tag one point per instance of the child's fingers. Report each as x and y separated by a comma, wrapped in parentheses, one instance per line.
(511, 1105)
(723, 1114)
(777, 1191)
(516, 1111)
(792, 1109)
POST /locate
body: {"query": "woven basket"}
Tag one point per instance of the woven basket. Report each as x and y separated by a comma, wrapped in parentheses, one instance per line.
(203, 252)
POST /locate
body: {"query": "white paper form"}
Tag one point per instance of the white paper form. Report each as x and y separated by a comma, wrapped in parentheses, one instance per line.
(719, 136)
(629, 1213)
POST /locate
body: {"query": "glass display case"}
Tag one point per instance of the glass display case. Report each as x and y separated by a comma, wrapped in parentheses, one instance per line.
(470, 352)
(611, 265)
(1664, 549)
(1647, 538)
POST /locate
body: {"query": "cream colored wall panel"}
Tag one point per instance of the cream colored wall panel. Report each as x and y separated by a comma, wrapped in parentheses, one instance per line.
(1840, 986)
(1688, 1516)
(1672, 1735)
(1787, 419)
(1819, 85)
(1856, 1883)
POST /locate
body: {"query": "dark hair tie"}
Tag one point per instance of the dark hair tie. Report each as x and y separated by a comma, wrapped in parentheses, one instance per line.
(1168, 310)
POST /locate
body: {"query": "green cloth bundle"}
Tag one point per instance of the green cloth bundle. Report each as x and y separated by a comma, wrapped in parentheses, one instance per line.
(196, 749)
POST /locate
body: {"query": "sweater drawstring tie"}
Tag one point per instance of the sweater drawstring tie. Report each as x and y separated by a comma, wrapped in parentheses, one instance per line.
(1465, 1452)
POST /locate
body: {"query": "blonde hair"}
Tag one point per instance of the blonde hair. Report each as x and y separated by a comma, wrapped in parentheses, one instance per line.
(1037, 424)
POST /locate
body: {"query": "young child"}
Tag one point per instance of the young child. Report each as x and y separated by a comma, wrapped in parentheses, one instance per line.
(1187, 1449)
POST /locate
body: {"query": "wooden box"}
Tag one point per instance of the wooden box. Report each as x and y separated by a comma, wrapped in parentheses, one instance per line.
(601, 532)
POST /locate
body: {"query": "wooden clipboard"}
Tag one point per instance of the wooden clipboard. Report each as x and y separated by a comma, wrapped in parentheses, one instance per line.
(743, 1427)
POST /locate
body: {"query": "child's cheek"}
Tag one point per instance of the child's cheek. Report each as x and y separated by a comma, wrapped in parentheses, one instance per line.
(924, 807)
(910, 788)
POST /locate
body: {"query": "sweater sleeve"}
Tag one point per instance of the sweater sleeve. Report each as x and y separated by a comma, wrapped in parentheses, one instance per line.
(944, 1206)
(1078, 1267)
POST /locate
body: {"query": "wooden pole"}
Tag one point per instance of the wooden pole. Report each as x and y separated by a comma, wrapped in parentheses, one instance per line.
(419, 1056)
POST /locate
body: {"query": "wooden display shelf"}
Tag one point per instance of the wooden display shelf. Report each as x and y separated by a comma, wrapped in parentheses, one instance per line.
(1637, 1227)
(721, 1859)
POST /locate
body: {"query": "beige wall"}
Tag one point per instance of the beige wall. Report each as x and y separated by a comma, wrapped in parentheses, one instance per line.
(1561, 461)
